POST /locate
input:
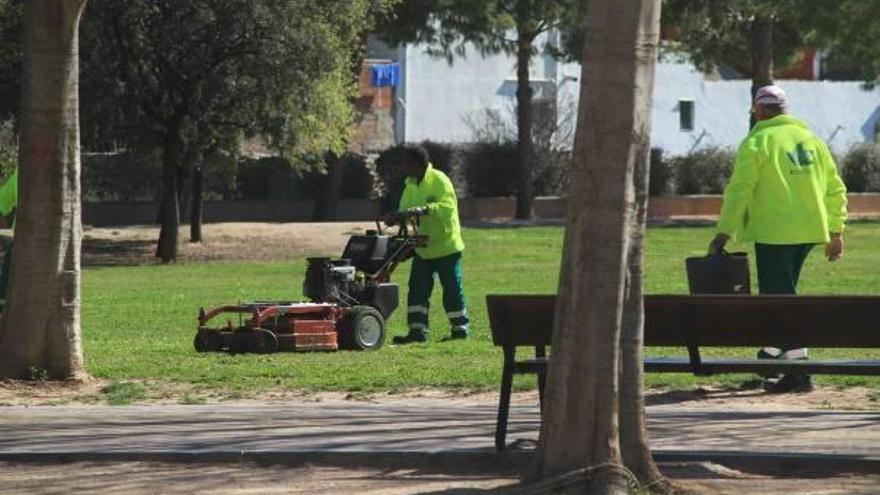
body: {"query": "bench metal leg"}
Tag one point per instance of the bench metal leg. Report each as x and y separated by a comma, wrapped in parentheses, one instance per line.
(541, 352)
(504, 405)
(542, 382)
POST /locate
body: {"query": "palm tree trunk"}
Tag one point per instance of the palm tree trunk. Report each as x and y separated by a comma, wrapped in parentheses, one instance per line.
(762, 56)
(580, 421)
(524, 117)
(40, 331)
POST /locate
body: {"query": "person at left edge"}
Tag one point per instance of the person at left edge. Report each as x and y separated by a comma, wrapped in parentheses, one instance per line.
(8, 205)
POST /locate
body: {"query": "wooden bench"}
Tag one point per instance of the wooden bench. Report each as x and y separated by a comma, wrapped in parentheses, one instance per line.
(694, 322)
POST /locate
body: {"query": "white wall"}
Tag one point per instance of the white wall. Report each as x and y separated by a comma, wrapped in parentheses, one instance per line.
(842, 113)
(437, 97)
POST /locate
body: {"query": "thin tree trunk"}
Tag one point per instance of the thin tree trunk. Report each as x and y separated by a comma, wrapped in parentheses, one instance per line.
(195, 221)
(40, 332)
(579, 427)
(168, 233)
(634, 443)
(524, 120)
(183, 173)
(762, 57)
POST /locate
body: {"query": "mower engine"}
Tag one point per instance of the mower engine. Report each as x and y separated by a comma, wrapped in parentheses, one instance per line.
(350, 299)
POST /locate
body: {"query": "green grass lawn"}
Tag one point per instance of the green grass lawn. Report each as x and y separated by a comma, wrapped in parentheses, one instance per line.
(138, 322)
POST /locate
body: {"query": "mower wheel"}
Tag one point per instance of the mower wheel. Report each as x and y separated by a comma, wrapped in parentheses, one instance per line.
(363, 329)
(265, 342)
(208, 341)
(259, 341)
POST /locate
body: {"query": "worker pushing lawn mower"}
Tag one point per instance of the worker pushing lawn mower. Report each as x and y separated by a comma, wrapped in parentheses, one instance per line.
(352, 297)
(429, 195)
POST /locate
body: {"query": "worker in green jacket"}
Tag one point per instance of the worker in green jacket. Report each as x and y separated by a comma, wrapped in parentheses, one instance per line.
(429, 194)
(786, 196)
(8, 205)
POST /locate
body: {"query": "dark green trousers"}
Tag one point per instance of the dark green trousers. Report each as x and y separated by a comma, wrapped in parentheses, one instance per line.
(779, 270)
(779, 266)
(421, 284)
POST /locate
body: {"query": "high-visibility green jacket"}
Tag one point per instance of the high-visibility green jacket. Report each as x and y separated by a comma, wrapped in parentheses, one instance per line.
(440, 224)
(785, 188)
(9, 196)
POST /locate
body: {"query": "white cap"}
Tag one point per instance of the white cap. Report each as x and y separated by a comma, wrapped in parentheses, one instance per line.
(771, 95)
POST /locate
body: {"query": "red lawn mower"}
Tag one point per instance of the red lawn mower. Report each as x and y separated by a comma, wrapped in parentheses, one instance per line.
(351, 298)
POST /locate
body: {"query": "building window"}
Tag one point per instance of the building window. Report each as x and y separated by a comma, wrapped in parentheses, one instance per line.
(686, 114)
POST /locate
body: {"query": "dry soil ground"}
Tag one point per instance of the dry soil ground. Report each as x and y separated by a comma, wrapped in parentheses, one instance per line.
(136, 245)
(142, 478)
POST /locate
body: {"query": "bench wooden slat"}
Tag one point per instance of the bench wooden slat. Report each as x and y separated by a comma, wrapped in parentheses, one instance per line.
(755, 321)
(521, 320)
(761, 366)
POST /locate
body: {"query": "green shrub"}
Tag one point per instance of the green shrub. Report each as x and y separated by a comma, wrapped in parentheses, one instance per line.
(861, 168)
(490, 169)
(124, 176)
(266, 179)
(660, 181)
(704, 171)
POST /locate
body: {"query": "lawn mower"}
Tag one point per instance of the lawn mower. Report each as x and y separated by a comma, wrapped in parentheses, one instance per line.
(350, 300)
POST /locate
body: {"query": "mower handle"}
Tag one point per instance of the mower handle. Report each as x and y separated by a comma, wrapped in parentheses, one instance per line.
(402, 220)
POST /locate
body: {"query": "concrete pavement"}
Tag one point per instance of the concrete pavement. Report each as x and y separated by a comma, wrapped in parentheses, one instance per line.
(414, 427)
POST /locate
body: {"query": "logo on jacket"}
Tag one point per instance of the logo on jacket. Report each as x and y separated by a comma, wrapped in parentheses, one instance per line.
(801, 158)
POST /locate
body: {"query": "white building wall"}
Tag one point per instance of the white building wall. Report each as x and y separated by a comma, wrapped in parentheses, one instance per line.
(436, 99)
(842, 113)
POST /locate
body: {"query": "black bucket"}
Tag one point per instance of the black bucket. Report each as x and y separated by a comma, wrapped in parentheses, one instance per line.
(725, 273)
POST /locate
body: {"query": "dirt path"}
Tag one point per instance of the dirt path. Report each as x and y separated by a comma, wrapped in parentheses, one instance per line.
(143, 478)
(222, 242)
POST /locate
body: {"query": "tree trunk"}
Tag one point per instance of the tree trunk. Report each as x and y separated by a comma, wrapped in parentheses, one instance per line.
(183, 173)
(40, 331)
(634, 443)
(327, 197)
(171, 157)
(195, 221)
(762, 57)
(524, 119)
(579, 429)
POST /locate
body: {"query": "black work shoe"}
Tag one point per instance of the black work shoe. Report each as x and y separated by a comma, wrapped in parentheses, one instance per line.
(457, 335)
(789, 384)
(763, 354)
(410, 338)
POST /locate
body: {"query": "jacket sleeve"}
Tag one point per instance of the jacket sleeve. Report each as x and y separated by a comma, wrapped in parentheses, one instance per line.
(446, 202)
(739, 191)
(835, 194)
(9, 194)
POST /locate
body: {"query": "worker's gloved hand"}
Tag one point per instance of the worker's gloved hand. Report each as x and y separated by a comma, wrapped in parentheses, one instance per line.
(834, 249)
(391, 218)
(717, 244)
(417, 211)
